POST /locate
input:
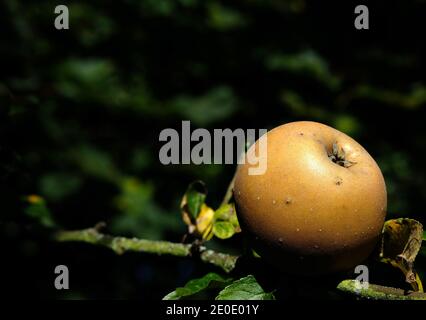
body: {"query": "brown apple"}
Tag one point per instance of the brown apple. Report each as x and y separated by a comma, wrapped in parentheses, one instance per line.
(321, 204)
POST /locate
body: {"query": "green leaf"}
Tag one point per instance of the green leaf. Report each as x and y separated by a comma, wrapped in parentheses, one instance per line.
(196, 285)
(304, 63)
(194, 198)
(224, 212)
(224, 18)
(223, 229)
(255, 254)
(245, 288)
(227, 213)
(96, 163)
(56, 186)
(412, 99)
(38, 210)
(139, 213)
(216, 105)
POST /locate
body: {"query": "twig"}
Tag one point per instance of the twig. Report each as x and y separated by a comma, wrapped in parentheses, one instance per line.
(122, 244)
(229, 191)
(376, 292)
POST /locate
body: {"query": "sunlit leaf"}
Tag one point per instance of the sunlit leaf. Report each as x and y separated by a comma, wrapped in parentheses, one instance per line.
(196, 285)
(228, 213)
(223, 229)
(224, 212)
(204, 222)
(245, 288)
(195, 213)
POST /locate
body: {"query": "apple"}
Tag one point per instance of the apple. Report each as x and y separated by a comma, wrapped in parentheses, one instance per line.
(320, 206)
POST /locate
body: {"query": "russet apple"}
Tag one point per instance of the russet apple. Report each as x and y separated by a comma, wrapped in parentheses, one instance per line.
(321, 204)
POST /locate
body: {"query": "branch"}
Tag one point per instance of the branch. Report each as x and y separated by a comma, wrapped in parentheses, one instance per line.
(121, 244)
(225, 261)
(376, 292)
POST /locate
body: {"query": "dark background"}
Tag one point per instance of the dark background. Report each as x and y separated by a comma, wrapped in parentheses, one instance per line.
(81, 111)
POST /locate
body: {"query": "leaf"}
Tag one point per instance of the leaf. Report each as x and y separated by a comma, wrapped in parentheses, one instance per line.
(226, 222)
(228, 213)
(214, 106)
(196, 285)
(401, 242)
(224, 18)
(411, 99)
(224, 212)
(56, 186)
(245, 288)
(96, 163)
(38, 210)
(139, 213)
(255, 254)
(304, 63)
(195, 213)
(223, 229)
(204, 222)
(193, 199)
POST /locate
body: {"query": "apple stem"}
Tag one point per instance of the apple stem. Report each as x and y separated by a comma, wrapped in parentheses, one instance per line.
(338, 156)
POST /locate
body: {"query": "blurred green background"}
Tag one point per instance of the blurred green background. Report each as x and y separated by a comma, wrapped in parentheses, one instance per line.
(81, 111)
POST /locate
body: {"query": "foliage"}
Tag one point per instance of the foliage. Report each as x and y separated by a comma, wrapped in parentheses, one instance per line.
(196, 285)
(245, 288)
(400, 242)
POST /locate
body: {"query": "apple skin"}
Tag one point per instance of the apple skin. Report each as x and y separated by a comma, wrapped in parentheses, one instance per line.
(308, 214)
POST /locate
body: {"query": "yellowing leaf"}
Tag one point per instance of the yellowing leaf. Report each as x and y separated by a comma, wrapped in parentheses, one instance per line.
(192, 204)
(204, 221)
(188, 222)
